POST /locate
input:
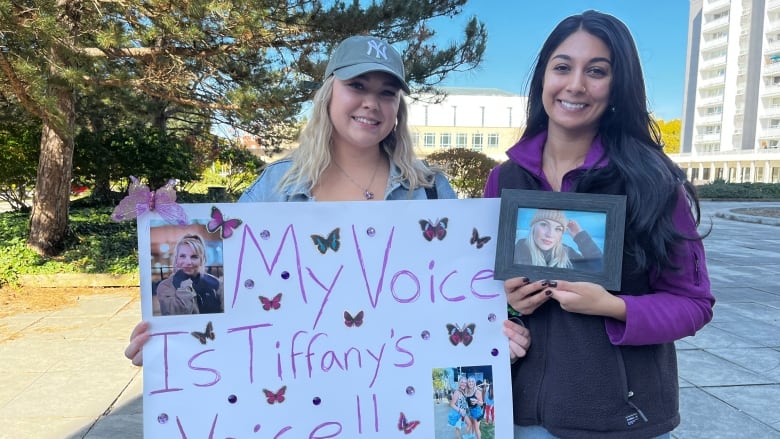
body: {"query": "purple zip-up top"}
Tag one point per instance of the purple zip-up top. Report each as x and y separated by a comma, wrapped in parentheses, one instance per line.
(681, 302)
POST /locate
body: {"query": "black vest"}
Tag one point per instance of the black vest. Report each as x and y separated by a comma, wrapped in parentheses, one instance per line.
(573, 380)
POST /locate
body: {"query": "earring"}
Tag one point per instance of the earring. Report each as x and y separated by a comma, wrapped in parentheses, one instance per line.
(612, 108)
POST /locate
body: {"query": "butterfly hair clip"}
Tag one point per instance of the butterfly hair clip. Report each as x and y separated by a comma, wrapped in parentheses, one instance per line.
(206, 335)
(463, 335)
(477, 240)
(434, 229)
(218, 223)
(140, 199)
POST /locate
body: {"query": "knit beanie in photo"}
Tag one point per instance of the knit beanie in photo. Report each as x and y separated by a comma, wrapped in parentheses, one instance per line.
(552, 215)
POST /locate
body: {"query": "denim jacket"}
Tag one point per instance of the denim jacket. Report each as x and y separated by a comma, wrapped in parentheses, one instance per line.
(265, 187)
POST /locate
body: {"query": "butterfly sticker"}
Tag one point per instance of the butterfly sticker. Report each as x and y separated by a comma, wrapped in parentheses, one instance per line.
(219, 223)
(432, 230)
(206, 335)
(270, 304)
(275, 397)
(355, 321)
(406, 425)
(458, 335)
(140, 199)
(478, 240)
(332, 241)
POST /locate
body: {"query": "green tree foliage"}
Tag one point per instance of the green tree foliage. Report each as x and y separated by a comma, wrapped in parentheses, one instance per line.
(467, 169)
(19, 142)
(248, 63)
(235, 168)
(145, 152)
(670, 135)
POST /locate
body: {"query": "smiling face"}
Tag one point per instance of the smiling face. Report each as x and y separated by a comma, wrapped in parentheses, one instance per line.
(363, 109)
(187, 259)
(547, 233)
(577, 82)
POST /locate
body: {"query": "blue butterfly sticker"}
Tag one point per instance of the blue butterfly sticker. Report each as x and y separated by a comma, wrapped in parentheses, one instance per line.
(330, 242)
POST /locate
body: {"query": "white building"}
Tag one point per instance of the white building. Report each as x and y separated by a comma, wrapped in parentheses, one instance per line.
(731, 107)
(484, 119)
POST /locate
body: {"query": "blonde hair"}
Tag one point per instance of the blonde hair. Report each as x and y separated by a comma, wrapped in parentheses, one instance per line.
(313, 154)
(559, 257)
(197, 245)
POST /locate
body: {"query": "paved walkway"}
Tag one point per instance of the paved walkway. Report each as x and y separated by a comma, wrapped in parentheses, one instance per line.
(63, 375)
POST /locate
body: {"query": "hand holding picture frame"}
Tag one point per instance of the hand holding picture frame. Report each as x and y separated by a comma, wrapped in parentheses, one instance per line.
(556, 235)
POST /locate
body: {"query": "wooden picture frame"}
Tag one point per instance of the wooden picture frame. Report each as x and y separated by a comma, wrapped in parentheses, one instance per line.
(524, 249)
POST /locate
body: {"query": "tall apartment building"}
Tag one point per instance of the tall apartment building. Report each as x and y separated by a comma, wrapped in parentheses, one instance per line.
(731, 107)
(484, 119)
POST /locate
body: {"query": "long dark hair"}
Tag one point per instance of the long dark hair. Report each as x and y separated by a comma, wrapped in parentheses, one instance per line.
(631, 139)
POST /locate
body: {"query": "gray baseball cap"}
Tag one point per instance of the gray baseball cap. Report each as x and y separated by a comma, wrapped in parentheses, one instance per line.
(362, 54)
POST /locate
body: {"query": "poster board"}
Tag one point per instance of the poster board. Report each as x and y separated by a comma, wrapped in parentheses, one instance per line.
(348, 319)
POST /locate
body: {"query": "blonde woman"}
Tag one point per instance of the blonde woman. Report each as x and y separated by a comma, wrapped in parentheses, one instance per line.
(190, 290)
(544, 245)
(357, 144)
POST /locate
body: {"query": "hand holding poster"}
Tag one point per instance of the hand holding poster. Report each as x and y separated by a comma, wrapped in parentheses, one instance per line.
(332, 320)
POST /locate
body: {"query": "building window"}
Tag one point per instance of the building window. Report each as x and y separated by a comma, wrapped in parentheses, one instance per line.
(476, 141)
(492, 140)
(445, 140)
(694, 174)
(461, 140)
(429, 140)
(775, 175)
(416, 140)
(705, 174)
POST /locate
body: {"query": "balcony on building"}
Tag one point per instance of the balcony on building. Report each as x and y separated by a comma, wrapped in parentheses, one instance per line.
(716, 23)
(711, 6)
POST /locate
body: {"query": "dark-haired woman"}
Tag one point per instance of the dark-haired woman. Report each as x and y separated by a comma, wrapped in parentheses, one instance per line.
(602, 363)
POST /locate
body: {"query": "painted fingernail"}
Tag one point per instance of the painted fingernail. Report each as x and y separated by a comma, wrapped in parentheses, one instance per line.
(525, 279)
(548, 293)
(552, 283)
(545, 283)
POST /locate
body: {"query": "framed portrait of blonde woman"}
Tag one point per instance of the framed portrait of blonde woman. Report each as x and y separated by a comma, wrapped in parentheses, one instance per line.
(561, 235)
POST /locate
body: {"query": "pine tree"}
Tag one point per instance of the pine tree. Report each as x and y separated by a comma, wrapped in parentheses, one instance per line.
(250, 63)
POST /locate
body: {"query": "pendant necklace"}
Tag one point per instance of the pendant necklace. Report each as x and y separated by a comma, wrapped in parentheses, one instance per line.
(366, 192)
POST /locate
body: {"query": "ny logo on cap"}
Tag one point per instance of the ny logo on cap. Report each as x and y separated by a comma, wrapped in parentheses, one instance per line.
(379, 47)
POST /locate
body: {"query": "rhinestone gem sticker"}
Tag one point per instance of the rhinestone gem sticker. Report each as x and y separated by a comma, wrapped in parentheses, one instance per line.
(491, 317)
(410, 390)
(265, 234)
(249, 283)
(425, 335)
(316, 400)
(232, 399)
(370, 231)
(285, 275)
(494, 352)
(162, 418)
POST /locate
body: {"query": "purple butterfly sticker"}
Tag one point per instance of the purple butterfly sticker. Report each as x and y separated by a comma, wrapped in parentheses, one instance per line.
(219, 223)
(140, 199)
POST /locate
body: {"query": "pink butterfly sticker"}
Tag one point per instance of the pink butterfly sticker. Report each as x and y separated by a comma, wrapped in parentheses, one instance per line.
(140, 199)
(219, 223)
(269, 304)
(275, 397)
(463, 335)
(406, 425)
(436, 229)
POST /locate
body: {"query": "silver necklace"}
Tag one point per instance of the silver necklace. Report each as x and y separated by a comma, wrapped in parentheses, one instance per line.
(366, 192)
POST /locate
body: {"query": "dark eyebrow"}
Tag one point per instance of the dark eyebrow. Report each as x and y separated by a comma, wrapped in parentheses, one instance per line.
(597, 59)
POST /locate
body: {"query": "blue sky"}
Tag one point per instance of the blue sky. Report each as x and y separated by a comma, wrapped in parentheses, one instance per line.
(517, 29)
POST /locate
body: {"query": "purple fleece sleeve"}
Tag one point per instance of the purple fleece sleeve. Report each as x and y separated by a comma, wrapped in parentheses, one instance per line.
(680, 302)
